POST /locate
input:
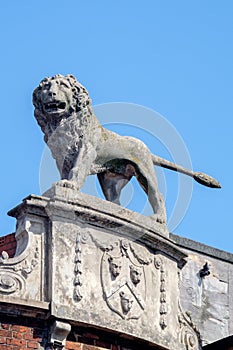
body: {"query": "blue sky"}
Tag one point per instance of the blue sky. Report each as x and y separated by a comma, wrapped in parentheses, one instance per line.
(174, 57)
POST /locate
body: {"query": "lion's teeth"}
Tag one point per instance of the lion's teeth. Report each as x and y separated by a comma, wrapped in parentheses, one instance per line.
(55, 105)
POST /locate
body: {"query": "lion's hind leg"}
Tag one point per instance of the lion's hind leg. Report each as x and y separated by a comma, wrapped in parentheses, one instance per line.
(112, 184)
(150, 186)
(113, 180)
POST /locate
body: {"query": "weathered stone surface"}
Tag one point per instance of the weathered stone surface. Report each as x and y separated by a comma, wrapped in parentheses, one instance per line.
(209, 300)
(101, 212)
(58, 333)
(81, 146)
(103, 268)
(18, 275)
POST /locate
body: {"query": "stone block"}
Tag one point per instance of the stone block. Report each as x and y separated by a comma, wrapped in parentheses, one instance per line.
(100, 265)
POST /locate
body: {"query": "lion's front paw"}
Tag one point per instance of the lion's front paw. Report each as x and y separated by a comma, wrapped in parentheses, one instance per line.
(159, 218)
(67, 184)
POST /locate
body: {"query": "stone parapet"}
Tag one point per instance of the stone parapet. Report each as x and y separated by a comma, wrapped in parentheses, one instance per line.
(84, 261)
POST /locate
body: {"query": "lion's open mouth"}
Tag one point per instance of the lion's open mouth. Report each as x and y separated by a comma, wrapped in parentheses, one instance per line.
(54, 106)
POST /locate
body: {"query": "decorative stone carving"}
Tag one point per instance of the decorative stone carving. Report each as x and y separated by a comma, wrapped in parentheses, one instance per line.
(82, 238)
(4, 256)
(114, 267)
(80, 287)
(135, 274)
(123, 279)
(77, 270)
(63, 111)
(163, 298)
(10, 282)
(126, 302)
(189, 335)
(141, 259)
(16, 274)
(81, 147)
(27, 266)
(58, 334)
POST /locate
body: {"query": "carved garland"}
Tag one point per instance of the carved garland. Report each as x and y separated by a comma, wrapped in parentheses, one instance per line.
(163, 297)
(81, 238)
(77, 269)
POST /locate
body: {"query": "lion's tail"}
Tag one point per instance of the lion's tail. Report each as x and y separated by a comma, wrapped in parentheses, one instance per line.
(202, 178)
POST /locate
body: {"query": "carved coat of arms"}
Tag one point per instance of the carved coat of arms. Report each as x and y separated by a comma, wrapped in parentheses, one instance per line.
(123, 280)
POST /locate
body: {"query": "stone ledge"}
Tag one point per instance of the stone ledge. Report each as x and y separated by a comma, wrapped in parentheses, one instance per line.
(30, 303)
(17, 306)
(99, 205)
(77, 206)
(202, 248)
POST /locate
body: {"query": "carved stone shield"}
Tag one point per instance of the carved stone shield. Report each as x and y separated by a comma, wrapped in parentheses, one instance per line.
(123, 282)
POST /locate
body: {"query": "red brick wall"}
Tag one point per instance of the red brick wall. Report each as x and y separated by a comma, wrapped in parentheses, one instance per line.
(25, 333)
(8, 244)
(18, 335)
(80, 346)
(88, 338)
(33, 335)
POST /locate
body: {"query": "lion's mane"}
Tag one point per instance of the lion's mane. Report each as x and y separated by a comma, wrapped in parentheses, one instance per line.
(79, 109)
(70, 127)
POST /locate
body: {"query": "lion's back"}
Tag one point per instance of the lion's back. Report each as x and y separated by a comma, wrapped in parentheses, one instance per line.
(113, 146)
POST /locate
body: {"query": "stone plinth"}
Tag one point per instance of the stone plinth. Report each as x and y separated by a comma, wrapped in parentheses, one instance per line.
(97, 264)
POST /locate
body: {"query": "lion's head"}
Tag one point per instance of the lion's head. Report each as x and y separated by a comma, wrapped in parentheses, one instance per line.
(57, 98)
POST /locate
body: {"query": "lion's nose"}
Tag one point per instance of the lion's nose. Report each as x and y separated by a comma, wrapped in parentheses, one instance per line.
(52, 93)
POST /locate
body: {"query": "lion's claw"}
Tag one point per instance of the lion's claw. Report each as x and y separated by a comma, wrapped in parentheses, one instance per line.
(160, 219)
(67, 184)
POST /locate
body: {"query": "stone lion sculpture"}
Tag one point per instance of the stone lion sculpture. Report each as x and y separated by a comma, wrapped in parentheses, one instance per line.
(81, 146)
